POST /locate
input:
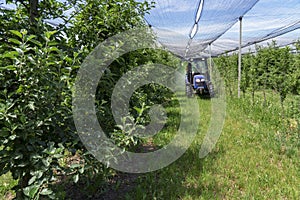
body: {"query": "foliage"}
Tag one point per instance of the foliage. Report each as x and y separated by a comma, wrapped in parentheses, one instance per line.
(245, 164)
(36, 127)
(270, 68)
(38, 67)
(227, 66)
(6, 183)
(99, 20)
(273, 69)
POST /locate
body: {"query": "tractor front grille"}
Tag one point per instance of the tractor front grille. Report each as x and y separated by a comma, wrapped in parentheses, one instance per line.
(201, 84)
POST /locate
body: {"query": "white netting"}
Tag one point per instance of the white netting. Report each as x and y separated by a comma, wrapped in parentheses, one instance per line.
(188, 27)
(187, 31)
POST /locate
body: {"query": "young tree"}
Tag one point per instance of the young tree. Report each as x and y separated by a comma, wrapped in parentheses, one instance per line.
(295, 71)
(38, 67)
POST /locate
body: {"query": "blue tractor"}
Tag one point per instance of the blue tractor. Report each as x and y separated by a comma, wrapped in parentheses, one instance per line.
(197, 79)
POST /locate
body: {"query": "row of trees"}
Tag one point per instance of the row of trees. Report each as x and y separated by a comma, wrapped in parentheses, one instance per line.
(270, 68)
(38, 66)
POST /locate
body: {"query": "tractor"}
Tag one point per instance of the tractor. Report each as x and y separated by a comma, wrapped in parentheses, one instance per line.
(197, 79)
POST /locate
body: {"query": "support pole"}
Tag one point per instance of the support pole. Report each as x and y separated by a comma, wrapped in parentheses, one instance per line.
(240, 59)
(210, 62)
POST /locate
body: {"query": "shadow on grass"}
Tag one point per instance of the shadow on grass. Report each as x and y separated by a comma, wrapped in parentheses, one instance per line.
(185, 178)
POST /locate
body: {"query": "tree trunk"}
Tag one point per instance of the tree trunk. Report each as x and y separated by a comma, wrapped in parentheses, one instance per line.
(265, 97)
(253, 95)
(282, 106)
(22, 183)
(33, 12)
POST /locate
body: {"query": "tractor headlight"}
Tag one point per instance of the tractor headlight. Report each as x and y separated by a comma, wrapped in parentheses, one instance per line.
(198, 80)
(202, 80)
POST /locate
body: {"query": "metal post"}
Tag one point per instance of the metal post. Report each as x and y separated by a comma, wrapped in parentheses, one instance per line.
(240, 60)
(210, 63)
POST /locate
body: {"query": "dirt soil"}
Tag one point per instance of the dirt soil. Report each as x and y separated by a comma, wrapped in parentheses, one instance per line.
(116, 188)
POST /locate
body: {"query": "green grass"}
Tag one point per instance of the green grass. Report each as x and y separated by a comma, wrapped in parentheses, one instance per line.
(247, 162)
(255, 157)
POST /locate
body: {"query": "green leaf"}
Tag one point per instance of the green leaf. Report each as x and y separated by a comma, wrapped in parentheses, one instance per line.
(31, 191)
(17, 33)
(18, 156)
(49, 34)
(10, 54)
(53, 49)
(46, 191)
(76, 178)
(31, 105)
(26, 191)
(20, 90)
(31, 60)
(31, 180)
(139, 110)
(38, 174)
(81, 170)
(58, 156)
(20, 51)
(45, 162)
(9, 67)
(36, 42)
(15, 41)
(23, 164)
(24, 31)
(53, 43)
(73, 166)
(30, 37)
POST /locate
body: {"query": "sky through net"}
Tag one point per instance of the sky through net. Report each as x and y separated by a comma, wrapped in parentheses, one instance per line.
(199, 28)
(188, 27)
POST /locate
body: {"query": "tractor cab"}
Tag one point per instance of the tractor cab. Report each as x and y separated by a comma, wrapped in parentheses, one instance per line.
(198, 78)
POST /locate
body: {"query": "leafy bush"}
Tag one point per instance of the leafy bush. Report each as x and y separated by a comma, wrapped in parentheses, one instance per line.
(38, 65)
(270, 68)
(36, 126)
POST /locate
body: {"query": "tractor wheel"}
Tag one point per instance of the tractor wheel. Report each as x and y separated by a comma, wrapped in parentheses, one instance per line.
(188, 90)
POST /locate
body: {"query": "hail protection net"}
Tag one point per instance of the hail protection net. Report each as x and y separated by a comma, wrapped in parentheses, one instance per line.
(188, 27)
(199, 28)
